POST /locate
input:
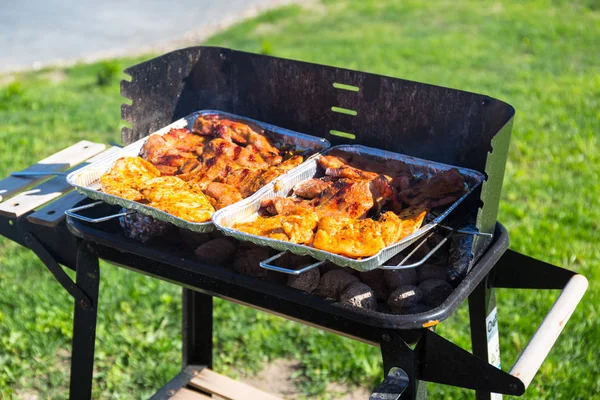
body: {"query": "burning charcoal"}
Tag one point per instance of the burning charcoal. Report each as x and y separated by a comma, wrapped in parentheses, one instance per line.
(334, 282)
(431, 271)
(435, 291)
(376, 280)
(216, 251)
(193, 239)
(460, 256)
(399, 277)
(359, 295)
(306, 281)
(247, 261)
(404, 297)
(142, 227)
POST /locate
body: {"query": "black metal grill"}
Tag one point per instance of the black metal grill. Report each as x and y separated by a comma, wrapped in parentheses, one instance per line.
(426, 121)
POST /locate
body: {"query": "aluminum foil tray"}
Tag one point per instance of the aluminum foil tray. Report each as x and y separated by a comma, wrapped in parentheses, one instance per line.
(247, 209)
(86, 179)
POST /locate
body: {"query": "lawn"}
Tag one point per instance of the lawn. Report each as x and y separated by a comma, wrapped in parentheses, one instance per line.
(542, 57)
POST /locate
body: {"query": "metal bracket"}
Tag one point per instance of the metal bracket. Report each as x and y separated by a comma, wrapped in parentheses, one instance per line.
(61, 276)
(392, 387)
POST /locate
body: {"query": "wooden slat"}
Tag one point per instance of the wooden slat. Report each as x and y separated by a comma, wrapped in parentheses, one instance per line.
(60, 161)
(42, 194)
(187, 394)
(54, 213)
(211, 382)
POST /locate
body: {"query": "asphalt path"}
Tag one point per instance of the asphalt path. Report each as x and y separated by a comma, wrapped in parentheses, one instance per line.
(34, 33)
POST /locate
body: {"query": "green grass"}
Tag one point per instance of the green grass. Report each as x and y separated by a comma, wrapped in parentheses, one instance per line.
(543, 57)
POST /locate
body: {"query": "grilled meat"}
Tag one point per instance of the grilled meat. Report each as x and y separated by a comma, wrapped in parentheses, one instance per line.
(311, 188)
(238, 133)
(223, 194)
(349, 237)
(127, 177)
(357, 212)
(354, 166)
(134, 178)
(442, 188)
(170, 151)
(236, 157)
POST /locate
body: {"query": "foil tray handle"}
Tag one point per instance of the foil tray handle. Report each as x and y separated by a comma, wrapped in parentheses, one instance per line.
(73, 213)
(265, 264)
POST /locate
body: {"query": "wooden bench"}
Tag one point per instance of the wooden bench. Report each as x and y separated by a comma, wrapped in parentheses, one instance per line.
(207, 382)
(49, 198)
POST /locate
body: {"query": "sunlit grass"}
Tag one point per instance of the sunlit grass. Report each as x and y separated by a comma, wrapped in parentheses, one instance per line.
(542, 57)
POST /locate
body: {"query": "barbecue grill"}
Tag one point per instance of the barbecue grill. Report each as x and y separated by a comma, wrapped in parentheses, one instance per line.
(435, 123)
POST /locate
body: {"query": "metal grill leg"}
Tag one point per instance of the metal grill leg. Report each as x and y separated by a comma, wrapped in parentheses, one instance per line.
(84, 323)
(197, 328)
(396, 353)
(484, 330)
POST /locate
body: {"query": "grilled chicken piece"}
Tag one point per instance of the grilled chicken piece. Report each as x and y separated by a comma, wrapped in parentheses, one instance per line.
(170, 151)
(264, 226)
(349, 237)
(300, 228)
(114, 186)
(175, 196)
(354, 166)
(286, 206)
(435, 190)
(163, 187)
(311, 188)
(223, 194)
(239, 133)
(412, 219)
(245, 180)
(190, 206)
(356, 198)
(364, 238)
(127, 176)
(291, 228)
(275, 171)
